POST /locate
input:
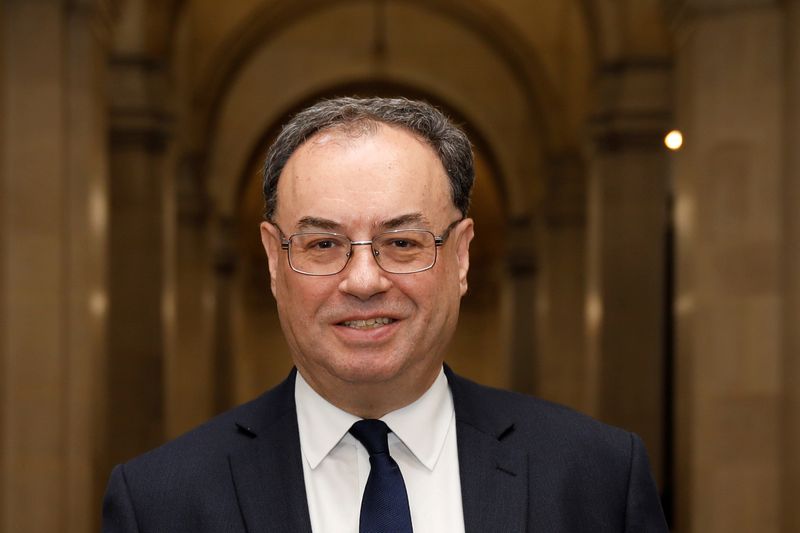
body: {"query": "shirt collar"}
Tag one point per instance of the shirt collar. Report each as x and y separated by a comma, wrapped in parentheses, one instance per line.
(320, 423)
(422, 426)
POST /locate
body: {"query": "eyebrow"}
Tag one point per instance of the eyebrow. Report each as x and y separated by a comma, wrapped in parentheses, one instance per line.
(318, 223)
(404, 220)
(306, 223)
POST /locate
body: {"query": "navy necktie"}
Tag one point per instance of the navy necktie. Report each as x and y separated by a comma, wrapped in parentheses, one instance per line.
(384, 507)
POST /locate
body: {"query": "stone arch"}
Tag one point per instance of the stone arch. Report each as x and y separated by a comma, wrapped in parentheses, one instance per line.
(271, 18)
(479, 65)
(468, 56)
(536, 107)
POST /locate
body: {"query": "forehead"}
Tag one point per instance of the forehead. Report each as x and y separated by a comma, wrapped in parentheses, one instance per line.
(356, 175)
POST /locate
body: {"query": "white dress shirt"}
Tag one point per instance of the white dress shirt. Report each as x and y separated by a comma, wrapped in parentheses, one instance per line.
(336, 465)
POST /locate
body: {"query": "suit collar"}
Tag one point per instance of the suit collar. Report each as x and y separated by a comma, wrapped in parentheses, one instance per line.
(267, 470)
(494, 473)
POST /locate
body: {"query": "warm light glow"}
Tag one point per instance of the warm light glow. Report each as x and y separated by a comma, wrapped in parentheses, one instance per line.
(594, 312)
(98, 303)
(674, 140)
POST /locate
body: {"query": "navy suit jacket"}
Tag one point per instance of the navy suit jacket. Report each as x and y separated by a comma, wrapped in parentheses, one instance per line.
(525, 465)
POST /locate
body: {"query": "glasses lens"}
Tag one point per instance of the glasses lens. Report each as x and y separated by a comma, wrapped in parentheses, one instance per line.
(318, 253)
(405, 251)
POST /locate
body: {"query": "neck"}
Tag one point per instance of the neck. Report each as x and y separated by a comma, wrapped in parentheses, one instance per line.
(374, 399)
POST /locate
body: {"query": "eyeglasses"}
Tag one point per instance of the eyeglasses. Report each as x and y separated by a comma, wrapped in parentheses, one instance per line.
(401, 251)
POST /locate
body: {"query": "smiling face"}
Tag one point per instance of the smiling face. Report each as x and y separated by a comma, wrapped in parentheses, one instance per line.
(367, 340)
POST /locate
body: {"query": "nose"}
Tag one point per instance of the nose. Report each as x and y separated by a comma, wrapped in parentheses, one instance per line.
(362, 277)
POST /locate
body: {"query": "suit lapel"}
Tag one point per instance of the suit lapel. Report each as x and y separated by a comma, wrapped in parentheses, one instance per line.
(494, 475)
(267, 469)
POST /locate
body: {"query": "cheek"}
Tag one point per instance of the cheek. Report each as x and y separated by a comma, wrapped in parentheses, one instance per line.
(302, 296)
(431, 295)
(448, 279)
(448, 289)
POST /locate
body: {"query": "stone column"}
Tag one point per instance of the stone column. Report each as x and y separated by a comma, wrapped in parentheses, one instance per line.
(190, 371)
(790, 489)
(223, 365)
(627, 218)
(730, 201)
(4, 193)
(522, 268)
(561, 356)
(53, 237)
(141, 193)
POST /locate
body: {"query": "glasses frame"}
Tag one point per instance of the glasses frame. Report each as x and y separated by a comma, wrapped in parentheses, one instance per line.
(437, 240)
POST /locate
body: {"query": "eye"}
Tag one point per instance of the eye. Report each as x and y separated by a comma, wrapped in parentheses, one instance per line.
(324, 244)
(319, 242)
(404, 243)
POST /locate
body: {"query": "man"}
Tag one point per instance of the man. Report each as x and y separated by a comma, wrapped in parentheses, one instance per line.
(367, 239)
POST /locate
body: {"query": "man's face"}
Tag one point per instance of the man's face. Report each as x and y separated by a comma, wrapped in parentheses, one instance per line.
(360, 186)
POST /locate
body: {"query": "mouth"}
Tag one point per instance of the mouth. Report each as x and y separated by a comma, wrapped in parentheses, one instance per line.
(369, 323)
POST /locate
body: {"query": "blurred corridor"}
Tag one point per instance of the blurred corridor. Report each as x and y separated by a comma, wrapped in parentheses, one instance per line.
(656, 290)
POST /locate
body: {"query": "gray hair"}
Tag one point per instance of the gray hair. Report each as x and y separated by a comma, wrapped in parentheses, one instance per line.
(361, 116)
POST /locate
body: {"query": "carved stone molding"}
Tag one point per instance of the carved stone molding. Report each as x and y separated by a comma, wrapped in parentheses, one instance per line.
(678, 11)
(634, 107)
(521, 257)
(191, 194)
(565, 203)
(102, 15)
(225, 256)
(137, 93)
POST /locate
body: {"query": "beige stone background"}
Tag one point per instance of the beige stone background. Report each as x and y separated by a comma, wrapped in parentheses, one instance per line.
(655, 290)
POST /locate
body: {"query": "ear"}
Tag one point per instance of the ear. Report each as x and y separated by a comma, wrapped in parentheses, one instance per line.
(271, 240)
(465, 235)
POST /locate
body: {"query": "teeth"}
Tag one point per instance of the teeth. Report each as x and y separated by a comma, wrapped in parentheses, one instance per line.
(368, 323)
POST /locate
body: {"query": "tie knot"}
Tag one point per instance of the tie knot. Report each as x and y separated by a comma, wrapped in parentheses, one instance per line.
(373, 434)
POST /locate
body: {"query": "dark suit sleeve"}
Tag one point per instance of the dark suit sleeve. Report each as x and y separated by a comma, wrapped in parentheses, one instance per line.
(118, 513)
(643, 513)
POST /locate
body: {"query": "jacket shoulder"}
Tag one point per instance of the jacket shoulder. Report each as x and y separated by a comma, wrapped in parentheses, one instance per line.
(207, 446)
(187, 484)
(534, 422)
(585, 475)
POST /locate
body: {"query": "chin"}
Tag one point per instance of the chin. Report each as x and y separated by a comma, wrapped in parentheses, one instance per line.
(371, 370)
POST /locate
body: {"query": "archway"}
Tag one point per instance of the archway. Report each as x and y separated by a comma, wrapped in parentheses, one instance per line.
(292, 66)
